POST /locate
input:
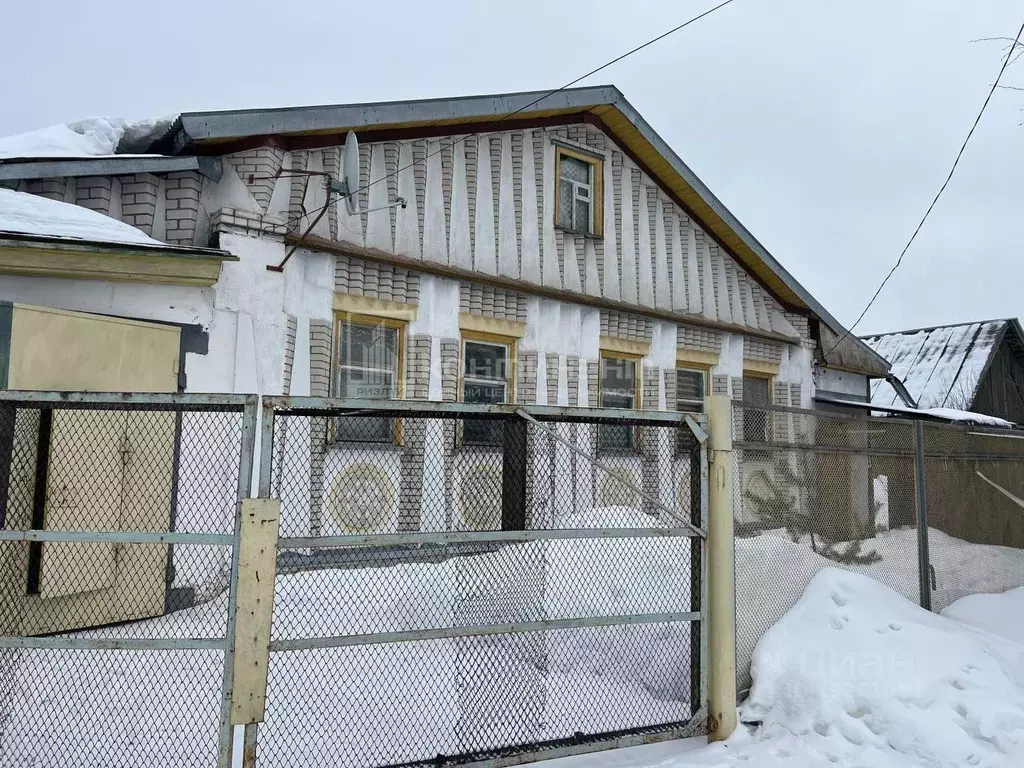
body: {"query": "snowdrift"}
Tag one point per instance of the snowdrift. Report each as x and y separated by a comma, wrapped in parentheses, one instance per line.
(772, 572)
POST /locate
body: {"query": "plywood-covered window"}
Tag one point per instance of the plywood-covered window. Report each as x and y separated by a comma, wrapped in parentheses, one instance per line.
(368, 366)
(578, 191)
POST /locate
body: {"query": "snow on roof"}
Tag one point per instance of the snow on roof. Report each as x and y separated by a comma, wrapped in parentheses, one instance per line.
(940, 366)
(948, 414)
(34, 215)
(92, 137)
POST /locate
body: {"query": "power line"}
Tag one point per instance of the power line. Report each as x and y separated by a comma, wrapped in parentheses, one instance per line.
(515, 112)
(952, 170)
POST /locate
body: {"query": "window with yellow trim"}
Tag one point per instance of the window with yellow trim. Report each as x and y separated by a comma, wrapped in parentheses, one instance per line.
(487, 363)
(691, 385)
(579, 191)
(757, 391)
(619, 387)
(367, 366)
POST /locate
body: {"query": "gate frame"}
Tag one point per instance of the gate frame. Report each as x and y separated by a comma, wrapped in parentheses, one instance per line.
(244, 404)
(695, 529)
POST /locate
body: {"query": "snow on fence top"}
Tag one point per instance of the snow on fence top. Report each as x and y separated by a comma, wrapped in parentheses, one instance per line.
(30, 214)
(940, 366)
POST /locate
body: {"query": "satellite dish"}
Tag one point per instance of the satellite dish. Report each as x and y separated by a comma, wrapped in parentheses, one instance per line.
(350, 173)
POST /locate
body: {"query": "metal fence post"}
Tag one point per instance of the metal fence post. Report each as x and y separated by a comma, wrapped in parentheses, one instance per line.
(721, 573)
(923, 560)
(245, 463)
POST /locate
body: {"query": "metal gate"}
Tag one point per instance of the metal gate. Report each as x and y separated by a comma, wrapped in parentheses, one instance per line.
(118, 528)
(458, 583)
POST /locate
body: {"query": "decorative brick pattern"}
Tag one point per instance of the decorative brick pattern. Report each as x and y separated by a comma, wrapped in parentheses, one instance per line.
(417, 368)
(411, 483)
(526, 377)
(572, 375)
(736, 385)
(551, 368)
(54, 189)
(360, 277)
(93, 192)
(320, 335)
(487, 301)
(650, 388)
(258, 169)
(247, 222)
(138, 200)
(289, 352)
(702, 339)
(671, 388)
(762, 349)
(795, 395)
(449, 370)
(800, 322)
(182, 206)
(625, 325)
(720, 384)
(592, 383)
(297, 194)
(781, 421)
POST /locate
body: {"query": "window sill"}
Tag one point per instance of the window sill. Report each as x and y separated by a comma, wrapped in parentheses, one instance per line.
(585, 235)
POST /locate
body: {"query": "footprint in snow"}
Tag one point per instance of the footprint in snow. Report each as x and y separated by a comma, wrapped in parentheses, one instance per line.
(839, 599)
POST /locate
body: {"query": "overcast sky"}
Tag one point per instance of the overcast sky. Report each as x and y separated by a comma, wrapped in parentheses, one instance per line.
(826, 126)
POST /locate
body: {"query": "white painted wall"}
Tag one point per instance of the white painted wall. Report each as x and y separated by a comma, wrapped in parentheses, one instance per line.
(843, 382)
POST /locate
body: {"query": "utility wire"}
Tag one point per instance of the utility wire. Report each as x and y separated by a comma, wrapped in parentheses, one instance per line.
(536, 101)
(949, 176)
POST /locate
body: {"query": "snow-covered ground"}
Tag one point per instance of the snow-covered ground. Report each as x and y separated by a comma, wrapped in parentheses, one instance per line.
(383, 704)
(854, 674)
(772, 572)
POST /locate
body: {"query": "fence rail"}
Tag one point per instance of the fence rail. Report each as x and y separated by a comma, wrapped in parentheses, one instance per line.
(493, 559)
(118, 523)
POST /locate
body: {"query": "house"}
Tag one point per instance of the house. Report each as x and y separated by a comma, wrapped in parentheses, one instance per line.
(528, 248)
(976, 367)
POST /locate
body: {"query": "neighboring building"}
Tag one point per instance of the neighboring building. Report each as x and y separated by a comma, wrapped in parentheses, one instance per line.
(976, 367)
(549, 250)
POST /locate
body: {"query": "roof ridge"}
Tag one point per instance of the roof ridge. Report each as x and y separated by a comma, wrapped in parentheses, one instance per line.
(937, 327)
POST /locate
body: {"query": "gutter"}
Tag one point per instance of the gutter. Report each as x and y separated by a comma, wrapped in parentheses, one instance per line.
(52, 168)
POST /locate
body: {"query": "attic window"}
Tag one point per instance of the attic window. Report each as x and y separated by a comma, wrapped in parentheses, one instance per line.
(578, 190)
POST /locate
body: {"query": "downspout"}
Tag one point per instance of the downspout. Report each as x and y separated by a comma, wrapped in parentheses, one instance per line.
(901, 389)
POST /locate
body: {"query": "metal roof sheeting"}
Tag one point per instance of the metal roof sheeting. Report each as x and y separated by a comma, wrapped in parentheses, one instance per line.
(940, 366)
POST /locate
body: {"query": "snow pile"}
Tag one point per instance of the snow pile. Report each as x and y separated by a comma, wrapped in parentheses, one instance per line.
(772, 572)
(34, 215)
(94, 136)
(1002, 614)
(858, 675)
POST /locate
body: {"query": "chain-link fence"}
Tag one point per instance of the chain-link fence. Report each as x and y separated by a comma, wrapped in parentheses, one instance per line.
(462, 582)
(814, 489)
(117, 526)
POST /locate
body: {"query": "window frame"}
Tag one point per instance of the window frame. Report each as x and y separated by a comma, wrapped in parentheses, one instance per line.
(342, 317)
(494, 339)
(637, 361)
(705, 373)
(749, 374)
(596, 163)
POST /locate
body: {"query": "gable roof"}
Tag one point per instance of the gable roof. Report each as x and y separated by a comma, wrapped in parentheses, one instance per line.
(604, 106)
(224, 132)
(940, 365)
